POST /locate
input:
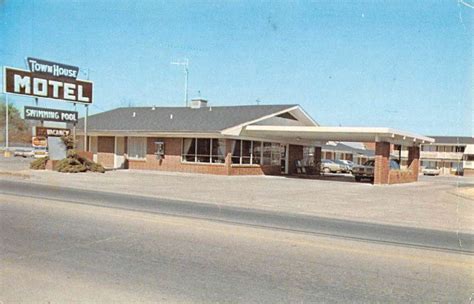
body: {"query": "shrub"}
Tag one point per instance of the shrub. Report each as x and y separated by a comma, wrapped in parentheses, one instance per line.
(68, 142)
(73, 163)
(39, 163)
(70, 165)
(90, 165)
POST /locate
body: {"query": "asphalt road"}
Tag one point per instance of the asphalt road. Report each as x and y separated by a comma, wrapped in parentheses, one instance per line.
(55, 251)
(424, 238)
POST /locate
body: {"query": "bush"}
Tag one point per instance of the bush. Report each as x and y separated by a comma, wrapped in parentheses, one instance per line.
(73, 163)
(39, 163)
(68, 142)
(90, 165)
(70, 165)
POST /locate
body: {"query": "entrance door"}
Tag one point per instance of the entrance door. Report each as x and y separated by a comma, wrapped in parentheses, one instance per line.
(119, 158)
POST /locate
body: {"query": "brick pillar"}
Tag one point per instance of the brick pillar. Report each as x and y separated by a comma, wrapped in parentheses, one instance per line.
(382, 163)
(317, 160)
(294, 153)
(414, 161)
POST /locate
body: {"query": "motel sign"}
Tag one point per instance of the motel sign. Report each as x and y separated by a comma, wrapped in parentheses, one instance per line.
(58, 84)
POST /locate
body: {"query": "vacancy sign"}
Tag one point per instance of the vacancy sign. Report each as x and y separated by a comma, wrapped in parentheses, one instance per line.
(48, 80)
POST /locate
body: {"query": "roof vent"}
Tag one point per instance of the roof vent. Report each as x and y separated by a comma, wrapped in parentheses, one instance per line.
(171, 116)
(134, 114)
(153, 108)
(197, 103)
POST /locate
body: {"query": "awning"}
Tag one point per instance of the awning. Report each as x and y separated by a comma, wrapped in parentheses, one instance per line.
(324, 134)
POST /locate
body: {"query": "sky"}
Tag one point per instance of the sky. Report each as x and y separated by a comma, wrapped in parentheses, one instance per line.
(401, 64)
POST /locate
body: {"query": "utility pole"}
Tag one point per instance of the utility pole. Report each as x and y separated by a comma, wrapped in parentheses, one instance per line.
(185, 64)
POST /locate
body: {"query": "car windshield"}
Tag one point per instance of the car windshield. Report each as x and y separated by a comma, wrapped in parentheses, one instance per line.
(369, 163)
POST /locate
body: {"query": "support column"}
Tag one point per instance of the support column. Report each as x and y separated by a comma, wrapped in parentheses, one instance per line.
(382, 163)
(414, 161)
(295, 152)
(228, 156)
(317, 160)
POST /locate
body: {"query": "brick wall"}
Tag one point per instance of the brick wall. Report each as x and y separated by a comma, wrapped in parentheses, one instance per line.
(401, 176)
(295, 153)
(382, 166)
(172, 162)
(317, 160)
(105, 151)
(414, 161)
(468, 172)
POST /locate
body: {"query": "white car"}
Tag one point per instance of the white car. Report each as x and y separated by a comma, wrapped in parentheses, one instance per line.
(431, 171)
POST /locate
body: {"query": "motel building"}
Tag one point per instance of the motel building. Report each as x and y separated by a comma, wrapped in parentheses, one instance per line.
(231, 140)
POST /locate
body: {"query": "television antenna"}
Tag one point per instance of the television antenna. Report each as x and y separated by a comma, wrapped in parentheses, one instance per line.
(185, 64)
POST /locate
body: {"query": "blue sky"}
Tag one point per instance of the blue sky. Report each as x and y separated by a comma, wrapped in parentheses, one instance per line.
(397, 64)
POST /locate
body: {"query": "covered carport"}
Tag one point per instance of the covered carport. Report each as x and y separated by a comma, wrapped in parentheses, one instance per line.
(382, 137)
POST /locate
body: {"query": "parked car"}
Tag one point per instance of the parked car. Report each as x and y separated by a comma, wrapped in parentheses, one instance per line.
(367, 170)
(329, 166)
(431, 171)
(345, 167)
(23, 152)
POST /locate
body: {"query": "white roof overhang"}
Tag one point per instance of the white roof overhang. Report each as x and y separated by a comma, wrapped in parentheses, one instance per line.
(469, 149)
(349, 134)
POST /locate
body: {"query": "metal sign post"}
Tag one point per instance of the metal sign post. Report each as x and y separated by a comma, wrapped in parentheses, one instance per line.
(74, 131)
(85, 128)
(7, 154)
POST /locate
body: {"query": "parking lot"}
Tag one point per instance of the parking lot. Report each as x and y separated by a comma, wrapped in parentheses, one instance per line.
(442, 202)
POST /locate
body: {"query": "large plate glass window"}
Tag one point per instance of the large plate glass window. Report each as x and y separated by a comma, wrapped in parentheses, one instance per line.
(218, 151)
(256, 152)
(203, 154)
(189, 149)
(136, 147)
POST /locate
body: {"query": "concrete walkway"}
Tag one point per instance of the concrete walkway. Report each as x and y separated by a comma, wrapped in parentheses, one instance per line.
(432, 203)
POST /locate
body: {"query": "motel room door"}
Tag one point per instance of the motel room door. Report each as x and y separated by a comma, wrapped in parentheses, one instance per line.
(119, 158)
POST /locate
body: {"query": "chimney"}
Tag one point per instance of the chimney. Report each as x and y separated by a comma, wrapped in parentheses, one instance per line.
(197, 103)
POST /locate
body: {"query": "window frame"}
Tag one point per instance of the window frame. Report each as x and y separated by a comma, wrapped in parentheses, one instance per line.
(211, 156)
(129, 145)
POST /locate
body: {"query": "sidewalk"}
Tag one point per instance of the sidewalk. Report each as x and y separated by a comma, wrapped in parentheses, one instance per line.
(430, 203)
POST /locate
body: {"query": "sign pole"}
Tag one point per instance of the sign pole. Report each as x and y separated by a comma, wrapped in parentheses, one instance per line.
(85, 128)
(74, 131)
(6, 126)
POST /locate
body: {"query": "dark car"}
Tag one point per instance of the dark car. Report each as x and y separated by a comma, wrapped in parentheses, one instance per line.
(367, 170)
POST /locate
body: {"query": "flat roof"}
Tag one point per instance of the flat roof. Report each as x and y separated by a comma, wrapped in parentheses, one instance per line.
(452, 140)
(348, 134)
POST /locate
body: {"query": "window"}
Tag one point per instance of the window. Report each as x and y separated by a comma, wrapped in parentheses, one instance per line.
(246, 152)
(256, 152)
(243, 152)
(218, 151)
(136, 147)
(189, 149)
(203, 150)
(271, 154)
